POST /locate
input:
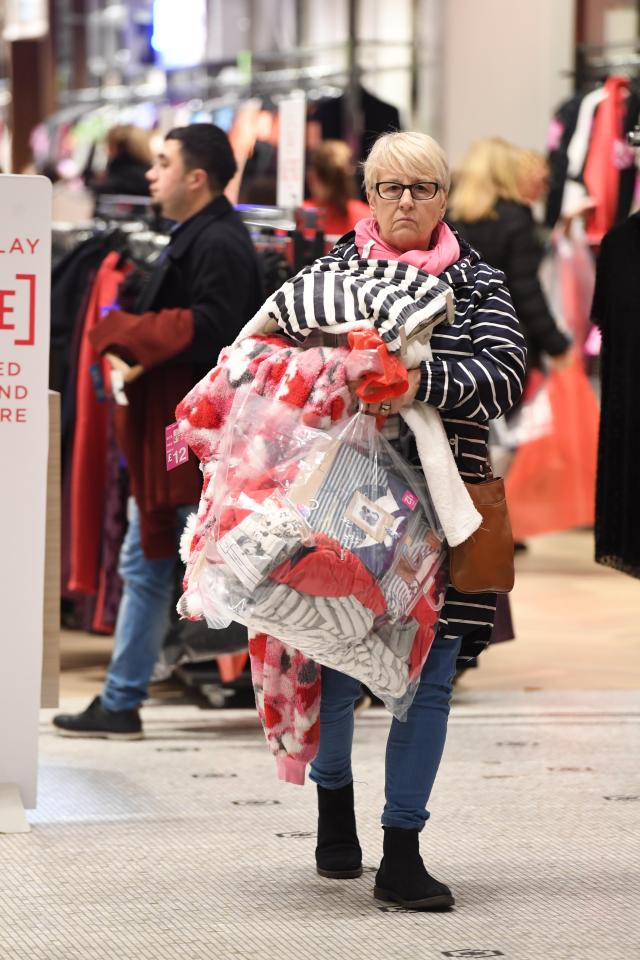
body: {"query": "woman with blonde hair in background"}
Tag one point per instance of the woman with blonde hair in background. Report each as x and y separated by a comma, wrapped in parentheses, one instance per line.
(490, 207)
(533, 177)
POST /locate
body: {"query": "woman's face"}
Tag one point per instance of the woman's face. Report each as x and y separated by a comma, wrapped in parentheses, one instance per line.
(535, 185)
(406, 224)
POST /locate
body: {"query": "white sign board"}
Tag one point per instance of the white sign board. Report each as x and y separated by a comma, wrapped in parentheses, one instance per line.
(25, 20)
(25, 277)
(291, 144)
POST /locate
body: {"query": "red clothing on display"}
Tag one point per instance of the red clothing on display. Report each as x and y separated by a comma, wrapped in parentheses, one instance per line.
(151, 339)
(90, 439)
(601, 174)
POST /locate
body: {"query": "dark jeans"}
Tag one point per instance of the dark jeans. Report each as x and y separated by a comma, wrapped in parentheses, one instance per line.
(414, 747)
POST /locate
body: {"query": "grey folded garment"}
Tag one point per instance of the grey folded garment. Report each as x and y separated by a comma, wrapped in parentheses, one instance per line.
(262, 540)
(335, 632)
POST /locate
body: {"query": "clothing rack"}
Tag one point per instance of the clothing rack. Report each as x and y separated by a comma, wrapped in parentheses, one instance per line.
(205, 82)
(594, 62)
(271, 229)
(143, 242)
(120, 206)
(265, 70)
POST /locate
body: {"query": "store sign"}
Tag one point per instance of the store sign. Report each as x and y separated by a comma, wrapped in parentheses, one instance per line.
(25, 271)
(291, 144)
(25, 20)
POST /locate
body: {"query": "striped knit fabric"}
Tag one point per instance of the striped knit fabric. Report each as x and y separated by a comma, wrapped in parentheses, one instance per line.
(341, 292)
(477, 374)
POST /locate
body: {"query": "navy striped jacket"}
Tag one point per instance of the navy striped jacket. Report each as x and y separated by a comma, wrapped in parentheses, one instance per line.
(477, 374)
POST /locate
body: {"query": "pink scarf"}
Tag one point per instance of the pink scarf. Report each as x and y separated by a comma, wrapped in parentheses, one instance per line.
(444, 249)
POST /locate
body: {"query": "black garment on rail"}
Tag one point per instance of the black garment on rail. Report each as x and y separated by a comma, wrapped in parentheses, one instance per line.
(616, 308)
(564, 125)
(377, 117)
(71, 282)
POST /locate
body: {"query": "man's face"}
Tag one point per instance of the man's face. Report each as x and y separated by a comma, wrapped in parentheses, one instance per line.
(168, 183)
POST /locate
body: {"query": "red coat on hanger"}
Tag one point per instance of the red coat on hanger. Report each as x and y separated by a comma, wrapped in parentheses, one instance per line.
(601, 172)
(90, 438)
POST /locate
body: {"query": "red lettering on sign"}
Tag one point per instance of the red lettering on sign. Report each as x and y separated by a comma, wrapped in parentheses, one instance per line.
(5, 309)
(29, 319)
(30, 278)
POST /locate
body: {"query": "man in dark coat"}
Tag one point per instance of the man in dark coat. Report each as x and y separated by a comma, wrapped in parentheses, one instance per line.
(202, 292)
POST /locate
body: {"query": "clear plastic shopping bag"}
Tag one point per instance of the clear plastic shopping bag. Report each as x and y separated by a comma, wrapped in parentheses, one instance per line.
(328, 541)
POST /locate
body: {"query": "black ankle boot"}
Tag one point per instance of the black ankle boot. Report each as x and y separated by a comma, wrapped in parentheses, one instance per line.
(402, 877)
(338, 854)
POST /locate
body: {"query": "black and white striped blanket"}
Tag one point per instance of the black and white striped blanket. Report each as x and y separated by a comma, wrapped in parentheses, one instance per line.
(399, 301)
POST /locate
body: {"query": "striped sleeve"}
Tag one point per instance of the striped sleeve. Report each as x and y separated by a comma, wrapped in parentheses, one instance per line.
(486, 385)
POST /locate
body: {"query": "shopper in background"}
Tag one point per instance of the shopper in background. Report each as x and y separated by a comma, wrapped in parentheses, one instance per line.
(533, 177)
(128, 159)
(476, 373)
(333, 189)
(204, 289)
(490, 207)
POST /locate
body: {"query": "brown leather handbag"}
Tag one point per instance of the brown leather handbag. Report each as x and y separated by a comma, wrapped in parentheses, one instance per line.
(484, 562)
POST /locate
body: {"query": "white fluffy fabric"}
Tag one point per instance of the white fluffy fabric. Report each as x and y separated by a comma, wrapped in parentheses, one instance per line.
(187, 537)
(456, 512)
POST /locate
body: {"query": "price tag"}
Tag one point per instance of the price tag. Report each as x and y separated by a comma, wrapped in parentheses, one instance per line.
(177, 449)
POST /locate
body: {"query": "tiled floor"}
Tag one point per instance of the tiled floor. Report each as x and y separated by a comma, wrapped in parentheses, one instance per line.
(185, 846)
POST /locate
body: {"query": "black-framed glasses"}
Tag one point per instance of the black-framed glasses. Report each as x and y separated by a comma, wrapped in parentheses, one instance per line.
(390, 190)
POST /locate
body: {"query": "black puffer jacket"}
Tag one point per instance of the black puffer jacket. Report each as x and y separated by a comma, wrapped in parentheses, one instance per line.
(509, 243)
(123, 175)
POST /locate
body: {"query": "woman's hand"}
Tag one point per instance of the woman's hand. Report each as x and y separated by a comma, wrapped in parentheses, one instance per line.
(387, 407)
(129, 373)
(562, 361)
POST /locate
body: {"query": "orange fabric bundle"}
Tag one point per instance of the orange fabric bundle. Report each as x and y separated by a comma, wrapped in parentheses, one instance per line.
(391, 380)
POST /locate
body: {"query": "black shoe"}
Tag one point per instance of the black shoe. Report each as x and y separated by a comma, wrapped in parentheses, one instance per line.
(402, 877)
(97, 721)
(338, 854)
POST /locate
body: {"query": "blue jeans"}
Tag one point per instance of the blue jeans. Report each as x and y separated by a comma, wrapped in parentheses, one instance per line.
(414, 746)
(143, 615)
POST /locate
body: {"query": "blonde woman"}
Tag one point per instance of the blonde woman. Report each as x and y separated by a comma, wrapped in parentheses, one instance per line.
(476, 374)
(489, 206)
